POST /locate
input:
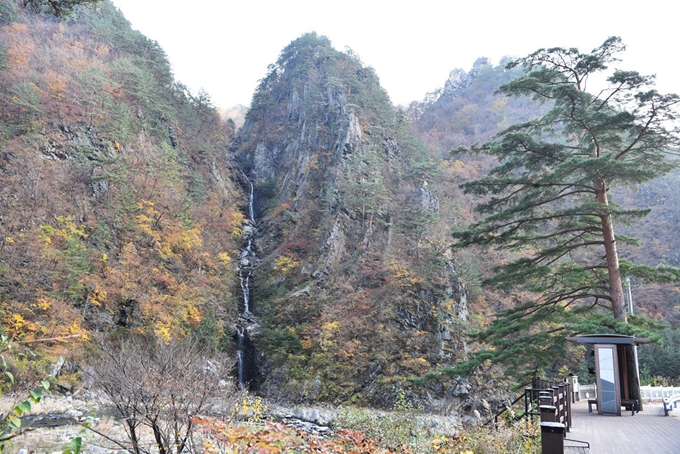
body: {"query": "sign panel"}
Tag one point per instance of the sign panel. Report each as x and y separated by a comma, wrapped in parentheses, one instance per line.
(608, 394)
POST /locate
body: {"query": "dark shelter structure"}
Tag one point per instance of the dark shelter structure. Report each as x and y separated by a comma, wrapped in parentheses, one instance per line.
(616, 372)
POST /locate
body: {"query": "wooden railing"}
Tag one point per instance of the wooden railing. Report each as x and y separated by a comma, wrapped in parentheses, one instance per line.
(548, 400)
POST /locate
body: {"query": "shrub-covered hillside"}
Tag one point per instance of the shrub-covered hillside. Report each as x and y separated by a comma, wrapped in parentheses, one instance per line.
(117, 201)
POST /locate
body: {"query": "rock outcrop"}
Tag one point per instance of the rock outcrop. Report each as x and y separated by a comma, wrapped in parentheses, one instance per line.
(353, 296)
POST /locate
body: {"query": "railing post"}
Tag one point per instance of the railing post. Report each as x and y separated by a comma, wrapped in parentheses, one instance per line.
(544, 398)
(548, 413)
(569, 393)
(552, 438)
(559, 402)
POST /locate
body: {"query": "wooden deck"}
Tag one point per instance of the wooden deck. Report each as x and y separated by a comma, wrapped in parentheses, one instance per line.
(647, 432)
(576, 450)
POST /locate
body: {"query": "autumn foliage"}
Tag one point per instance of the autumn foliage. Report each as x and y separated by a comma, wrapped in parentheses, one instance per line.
(117, 201)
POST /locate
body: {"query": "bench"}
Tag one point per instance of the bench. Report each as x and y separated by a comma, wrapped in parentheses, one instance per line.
(592, 402)
(630, 404)
(669, 403)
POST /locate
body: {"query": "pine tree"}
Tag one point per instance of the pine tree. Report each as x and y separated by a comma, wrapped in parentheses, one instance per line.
(548, 200)
(59, 8)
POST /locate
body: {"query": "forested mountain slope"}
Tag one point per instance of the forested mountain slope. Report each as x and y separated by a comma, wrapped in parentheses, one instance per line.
(124, 208)
(118, 206)
(121, 210)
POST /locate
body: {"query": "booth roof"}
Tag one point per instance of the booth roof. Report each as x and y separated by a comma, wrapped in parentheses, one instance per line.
(618, 339)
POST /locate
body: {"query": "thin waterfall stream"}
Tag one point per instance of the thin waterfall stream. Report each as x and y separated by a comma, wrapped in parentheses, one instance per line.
(245, 290)
(251, 211)
(246, 323)
(239, 355)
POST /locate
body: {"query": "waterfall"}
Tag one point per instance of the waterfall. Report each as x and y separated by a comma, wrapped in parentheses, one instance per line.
(246, 323)
(251, 211)
(245, 290)
(239, 355)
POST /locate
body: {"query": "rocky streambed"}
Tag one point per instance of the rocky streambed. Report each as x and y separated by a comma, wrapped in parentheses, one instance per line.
(58, 419)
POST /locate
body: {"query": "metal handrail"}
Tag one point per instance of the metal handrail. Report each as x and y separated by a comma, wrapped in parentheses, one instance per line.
(495, 418)
(578, 441)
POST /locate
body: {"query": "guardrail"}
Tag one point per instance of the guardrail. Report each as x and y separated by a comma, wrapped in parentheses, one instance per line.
(648, 393)
(651, 393)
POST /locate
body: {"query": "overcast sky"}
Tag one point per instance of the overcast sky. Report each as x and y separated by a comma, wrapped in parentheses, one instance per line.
(225, 46)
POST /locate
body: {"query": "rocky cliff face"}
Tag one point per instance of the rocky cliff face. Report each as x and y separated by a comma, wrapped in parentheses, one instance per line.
(355, 292)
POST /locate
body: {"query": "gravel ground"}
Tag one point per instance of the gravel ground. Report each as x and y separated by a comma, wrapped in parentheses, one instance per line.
(56, 420)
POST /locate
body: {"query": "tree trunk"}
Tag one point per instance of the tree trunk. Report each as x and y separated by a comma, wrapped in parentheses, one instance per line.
(616, 291)
(633, 384)
(612, 257)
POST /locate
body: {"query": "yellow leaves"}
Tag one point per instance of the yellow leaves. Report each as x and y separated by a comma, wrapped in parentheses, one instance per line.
(442, 444)
(178, 240)
(224, 259)
(69, 229)
(104, 257)
(236, 220)
(439, 444)
(43, 304)
(329, 330)
(46, 233)
(170, 238)
(144, 224)
(45, 317)
(77, 330)
(20, 326)
(145, 204)
(147, 225)
(194, 316)
(284, 264)
(163, 331)
(402, 275)
(18, 321)
(9, 240)
(97, 296)
(253, 408)
(190, 239)
(419, 365)
(456, 164)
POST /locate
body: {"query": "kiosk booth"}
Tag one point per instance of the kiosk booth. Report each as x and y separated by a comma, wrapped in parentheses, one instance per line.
(616, 374)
